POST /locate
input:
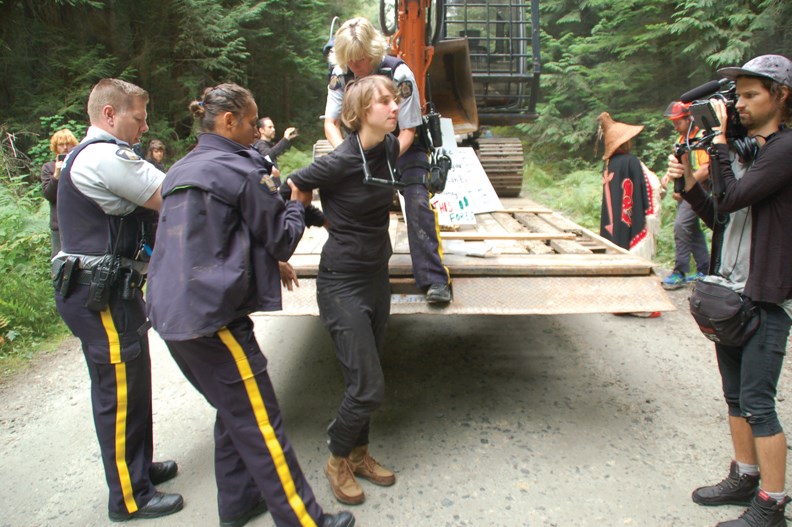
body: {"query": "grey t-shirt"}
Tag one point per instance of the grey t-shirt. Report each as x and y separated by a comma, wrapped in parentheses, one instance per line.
(735, 254)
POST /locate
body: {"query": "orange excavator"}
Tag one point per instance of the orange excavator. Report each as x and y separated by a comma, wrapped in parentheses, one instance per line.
(478, 62)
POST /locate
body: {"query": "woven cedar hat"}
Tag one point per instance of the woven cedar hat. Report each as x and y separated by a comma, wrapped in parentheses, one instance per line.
(615, 133)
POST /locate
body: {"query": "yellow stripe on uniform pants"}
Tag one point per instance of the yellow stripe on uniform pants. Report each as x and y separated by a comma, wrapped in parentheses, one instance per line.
(267, 432)
(114, 346)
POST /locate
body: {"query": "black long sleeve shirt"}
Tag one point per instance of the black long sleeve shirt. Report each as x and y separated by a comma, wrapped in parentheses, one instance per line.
(357, 213)
(767, 188)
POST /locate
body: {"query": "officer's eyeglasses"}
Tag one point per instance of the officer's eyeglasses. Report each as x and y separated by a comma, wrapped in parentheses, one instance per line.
(368, 179)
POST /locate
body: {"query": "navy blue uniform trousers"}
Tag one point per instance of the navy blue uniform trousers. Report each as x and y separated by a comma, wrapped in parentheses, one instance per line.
(253, 456)
(355, 307)
(115, 345)
(423, 230)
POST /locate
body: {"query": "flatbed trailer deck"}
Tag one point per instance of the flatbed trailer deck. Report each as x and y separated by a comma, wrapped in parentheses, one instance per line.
(523, 260)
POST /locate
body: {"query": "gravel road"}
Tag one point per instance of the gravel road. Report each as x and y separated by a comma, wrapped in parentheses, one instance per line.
(577, 420)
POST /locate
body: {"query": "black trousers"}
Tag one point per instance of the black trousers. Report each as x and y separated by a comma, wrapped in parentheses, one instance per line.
(115, 345)
(355, 307)
(253, 456)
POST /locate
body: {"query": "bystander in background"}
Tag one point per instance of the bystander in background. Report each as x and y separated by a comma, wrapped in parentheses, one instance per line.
(61, 144)
(688, 236)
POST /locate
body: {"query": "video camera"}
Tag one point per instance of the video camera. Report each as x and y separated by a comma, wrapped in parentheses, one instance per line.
(702, 114)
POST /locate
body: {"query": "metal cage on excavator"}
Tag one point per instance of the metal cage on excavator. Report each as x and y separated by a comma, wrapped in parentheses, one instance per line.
(481, 61)
(501, 38)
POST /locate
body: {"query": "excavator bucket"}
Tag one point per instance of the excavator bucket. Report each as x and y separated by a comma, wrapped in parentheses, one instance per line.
(503, 37)
(452, 85)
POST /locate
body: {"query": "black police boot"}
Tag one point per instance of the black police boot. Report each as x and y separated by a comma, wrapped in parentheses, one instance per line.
(160, 504)
(241, 519)
(438, 294)
(764, 511)
(342, 519)
(734, 490)
(162, 471)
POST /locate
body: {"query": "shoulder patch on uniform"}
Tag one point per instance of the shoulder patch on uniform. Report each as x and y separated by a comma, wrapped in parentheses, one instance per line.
(269, 182)
(404, 89)
(127, 154)
(336, 82)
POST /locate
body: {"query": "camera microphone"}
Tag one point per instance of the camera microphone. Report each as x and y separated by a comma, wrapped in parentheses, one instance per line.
(703, 90)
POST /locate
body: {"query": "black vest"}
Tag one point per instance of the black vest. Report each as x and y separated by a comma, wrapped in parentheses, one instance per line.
(86, 229)
(386, 67)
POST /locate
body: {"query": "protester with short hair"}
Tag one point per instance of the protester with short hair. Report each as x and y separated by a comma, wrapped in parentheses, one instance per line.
(353, 285)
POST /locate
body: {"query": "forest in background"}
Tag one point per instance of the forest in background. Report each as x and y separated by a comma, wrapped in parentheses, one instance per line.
(627, 57)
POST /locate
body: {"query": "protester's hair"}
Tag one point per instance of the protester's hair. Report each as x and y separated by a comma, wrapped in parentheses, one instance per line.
(359, 97)
(62, 136)
(357, 38)
(776, 90)
(155, 144)
(261, 122)
(217, 100)
(113, 92)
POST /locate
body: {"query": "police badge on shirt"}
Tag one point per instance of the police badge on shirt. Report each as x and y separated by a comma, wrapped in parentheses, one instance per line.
(336, 82)
(269, 182)
(404, 89)
(127, 154)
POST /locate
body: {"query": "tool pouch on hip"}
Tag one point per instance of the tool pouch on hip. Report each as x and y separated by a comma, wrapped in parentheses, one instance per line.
(104, 276)
(63, 269)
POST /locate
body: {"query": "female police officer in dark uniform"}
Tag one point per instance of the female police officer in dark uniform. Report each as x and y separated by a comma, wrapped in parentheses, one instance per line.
(223, 229)
(353, 289)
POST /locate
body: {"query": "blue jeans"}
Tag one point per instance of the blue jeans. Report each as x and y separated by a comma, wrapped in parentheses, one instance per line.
(750, 373)
(688, 239)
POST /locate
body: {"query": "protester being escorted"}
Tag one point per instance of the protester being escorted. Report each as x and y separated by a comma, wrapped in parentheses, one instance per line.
(107, 202)
(360, 50)
(223, 228)
(267, 146)
(352, 286)
(750, 372)
(156, 154)
(61, 143)
(688, 237)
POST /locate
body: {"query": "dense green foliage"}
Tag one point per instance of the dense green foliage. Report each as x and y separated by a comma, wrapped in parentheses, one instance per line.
(27, 311)
(631, 58)
(53, 51)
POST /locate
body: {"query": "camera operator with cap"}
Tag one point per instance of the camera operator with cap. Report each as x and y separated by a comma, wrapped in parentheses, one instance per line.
(688, 237)
(750, 372)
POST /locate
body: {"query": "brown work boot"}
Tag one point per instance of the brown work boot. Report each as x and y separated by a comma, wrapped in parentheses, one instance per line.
(367, 467)
(342, 480)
